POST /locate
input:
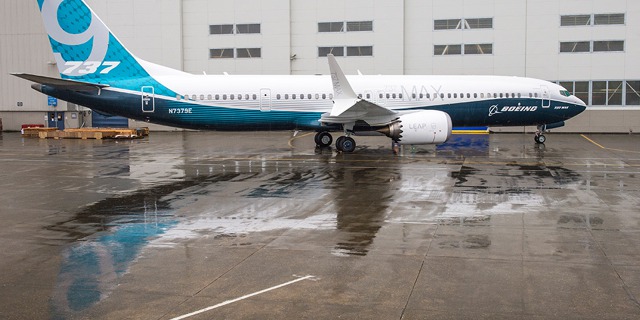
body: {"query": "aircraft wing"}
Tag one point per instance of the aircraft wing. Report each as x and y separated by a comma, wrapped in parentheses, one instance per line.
(346, 104)
(60, 83)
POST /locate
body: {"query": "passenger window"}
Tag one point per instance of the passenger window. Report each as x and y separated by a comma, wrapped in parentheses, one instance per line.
(449, 95)
(420, 96)
(178, 97)
(286, 96)
(278, 96)
(293, 96)
(413, 96)
(309, 96)
(324, 96)
(224, 97)
(399, 95)
(202, 97)
(193, 97)
(231, 96)
(475, 95)
(317, 96)
(368, 96)
(428, 96)
(393, 95)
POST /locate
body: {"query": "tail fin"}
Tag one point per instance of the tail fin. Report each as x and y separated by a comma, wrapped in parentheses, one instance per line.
(83, 46)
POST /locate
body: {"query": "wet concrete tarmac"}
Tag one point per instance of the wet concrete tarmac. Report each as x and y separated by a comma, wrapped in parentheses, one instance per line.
(255, 225)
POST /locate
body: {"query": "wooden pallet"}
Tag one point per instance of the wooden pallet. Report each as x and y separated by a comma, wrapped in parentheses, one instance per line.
(86, 133)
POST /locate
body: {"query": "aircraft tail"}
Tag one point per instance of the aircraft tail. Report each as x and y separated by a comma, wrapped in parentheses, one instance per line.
(86, 50)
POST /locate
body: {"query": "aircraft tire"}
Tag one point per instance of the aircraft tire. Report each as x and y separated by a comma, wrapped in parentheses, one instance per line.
(323, 139)
(339, 143)
(347, 144)
(540, 139)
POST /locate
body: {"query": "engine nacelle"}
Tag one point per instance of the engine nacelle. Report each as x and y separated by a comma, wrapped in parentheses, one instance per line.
(421, 127)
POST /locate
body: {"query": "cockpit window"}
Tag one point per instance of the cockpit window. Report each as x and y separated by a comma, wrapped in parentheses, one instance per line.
(565, 93)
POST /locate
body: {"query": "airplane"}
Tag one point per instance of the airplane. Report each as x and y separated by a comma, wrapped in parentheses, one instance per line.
(97, 71)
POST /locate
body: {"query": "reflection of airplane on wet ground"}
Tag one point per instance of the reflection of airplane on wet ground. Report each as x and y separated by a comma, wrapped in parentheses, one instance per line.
(99, 72)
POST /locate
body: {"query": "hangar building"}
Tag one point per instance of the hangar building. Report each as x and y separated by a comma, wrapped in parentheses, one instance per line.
(591, 47)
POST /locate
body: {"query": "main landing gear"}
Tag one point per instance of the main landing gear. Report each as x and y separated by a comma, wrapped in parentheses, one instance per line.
(343, 143)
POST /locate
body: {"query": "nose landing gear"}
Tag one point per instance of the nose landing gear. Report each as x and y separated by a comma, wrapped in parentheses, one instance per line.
(539, 137)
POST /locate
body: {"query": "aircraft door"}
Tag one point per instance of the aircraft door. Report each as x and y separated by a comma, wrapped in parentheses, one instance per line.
(148, 99)
(265, 100)
(546, 102)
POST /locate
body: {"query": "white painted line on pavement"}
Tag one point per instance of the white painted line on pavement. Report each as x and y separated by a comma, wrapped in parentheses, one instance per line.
(243, 297)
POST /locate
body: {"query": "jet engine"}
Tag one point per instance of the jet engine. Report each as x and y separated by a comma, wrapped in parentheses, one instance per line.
(422, 127)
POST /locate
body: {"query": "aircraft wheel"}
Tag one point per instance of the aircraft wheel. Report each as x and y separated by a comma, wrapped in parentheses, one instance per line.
(323, 139)
(540, 139)
(339, 143)
(347, 144)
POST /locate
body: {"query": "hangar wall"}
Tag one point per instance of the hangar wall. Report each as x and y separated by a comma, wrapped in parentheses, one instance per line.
(592, 46)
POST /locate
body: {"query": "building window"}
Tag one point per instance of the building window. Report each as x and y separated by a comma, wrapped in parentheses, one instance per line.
(220, 53)
(336, 51)
(602, 46)
(360, 51)
(480, 23)
(611, 18)
(248, 53)
(359, 26)
(575, 20)
(575, 46)
(248, 28)
(221, 29)
(633, 93)
(235, 53)
(234, 29)
(330, 26)
(581, 90)
(345, 26)
(458, 24)
(606, 93)
(447, 24)
(447, 49)
(586, 46)
(589, 20)
(458, 49)
(485, 48)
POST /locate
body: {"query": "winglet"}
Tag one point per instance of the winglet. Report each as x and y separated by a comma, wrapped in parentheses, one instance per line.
(343, 94)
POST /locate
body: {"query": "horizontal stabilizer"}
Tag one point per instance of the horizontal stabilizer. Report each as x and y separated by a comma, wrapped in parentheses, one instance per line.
(60, 83)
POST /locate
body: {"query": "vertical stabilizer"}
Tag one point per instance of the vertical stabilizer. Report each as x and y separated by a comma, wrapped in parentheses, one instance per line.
(83, 46)
(86, 50)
